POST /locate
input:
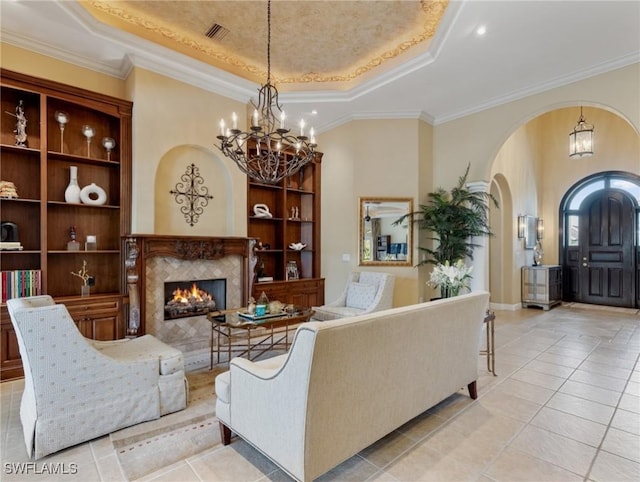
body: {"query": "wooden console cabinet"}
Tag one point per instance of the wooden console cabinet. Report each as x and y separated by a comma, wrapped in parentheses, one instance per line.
(41, 172)
(541, 286)
(303, 292)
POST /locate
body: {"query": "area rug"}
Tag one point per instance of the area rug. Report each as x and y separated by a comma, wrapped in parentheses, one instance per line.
(150, 446)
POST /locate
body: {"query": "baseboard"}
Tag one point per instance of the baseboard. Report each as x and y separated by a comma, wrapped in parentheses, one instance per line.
(505, 307)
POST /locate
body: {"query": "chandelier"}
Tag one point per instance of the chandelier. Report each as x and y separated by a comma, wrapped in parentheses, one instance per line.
(581, 138)
(268, 152)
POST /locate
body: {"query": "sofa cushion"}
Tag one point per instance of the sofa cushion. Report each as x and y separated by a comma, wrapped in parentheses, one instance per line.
(170, 359)
(326, 313)
(371, 278)
(223, 386)
(360, 295)
(223, 380)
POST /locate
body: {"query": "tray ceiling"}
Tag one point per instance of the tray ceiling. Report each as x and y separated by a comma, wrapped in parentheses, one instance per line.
(312, 42)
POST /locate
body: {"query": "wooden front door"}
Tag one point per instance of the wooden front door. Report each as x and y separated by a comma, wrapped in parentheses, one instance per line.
(601, 263)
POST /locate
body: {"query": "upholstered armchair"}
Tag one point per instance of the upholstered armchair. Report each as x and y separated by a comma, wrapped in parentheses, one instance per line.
(77, 389)
(365, 292)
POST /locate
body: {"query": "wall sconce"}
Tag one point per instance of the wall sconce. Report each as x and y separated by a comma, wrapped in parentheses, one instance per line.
(539, 229)
(522, 226)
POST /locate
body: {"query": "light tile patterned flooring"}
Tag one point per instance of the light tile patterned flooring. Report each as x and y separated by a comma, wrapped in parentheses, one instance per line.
(565, 406)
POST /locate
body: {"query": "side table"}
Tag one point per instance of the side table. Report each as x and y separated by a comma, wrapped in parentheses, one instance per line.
(490, 351)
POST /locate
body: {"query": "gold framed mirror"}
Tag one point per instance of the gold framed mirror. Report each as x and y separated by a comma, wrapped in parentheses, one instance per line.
(381, 241)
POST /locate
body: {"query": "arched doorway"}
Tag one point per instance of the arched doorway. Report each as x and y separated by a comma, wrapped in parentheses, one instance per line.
(599, 246)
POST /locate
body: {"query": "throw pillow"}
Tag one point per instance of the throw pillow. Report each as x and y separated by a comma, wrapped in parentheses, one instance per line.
(360, 295)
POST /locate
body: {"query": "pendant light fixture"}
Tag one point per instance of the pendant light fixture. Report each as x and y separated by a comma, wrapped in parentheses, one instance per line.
(268, 152)
(581, 139)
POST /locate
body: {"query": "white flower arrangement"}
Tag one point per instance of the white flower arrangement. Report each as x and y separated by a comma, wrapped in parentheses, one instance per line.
(450, 278)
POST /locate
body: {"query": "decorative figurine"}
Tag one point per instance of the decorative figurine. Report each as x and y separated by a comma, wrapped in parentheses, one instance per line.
(292, 270)
(8, 190)
(88, 280)
(92, 243)
(21, 125)
(251, 307)
(537, 254)
(88, 132)
(261, 211)
(73, 244)
(108, 143)
(62, 117)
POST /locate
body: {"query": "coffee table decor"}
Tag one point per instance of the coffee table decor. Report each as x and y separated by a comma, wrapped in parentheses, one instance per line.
(255, 317)
(237, 332)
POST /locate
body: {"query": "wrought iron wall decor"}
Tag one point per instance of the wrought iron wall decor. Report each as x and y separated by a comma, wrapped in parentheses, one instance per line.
(191, 193)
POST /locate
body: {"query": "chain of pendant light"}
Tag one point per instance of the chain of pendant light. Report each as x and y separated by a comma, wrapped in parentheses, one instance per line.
(268, 152)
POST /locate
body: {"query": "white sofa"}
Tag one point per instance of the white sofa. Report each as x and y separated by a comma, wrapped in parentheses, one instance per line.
(76, 389)
(346, 383)
(365, 292)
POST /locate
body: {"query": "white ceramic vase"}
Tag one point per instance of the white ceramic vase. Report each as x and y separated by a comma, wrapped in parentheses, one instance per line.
(93, 194)
(72, 193)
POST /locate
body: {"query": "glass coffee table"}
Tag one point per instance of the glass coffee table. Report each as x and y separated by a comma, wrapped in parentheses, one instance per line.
(238, 335)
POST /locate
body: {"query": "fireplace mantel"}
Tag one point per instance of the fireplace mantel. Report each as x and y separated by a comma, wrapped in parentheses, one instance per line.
(139, 248)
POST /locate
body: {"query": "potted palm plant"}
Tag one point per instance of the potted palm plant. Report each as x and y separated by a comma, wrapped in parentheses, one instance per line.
(453, 218)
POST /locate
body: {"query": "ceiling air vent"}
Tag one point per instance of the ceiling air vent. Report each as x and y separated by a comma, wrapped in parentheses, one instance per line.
(217, 32)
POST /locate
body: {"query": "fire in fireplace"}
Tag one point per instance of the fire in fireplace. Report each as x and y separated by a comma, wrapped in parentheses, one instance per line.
(194, 297)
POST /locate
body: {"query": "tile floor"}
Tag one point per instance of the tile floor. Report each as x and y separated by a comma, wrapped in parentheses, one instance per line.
(565, 406)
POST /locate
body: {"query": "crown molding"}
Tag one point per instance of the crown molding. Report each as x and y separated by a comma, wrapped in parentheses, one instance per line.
(48, 50)
(421, 115)
(515, 95)
(161, 60)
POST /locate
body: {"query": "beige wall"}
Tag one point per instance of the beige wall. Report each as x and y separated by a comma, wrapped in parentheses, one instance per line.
(27, 62)
(212, 178)
(516, 163)
(424, 176)
(178, 123)
(477, 138)
(369, 158)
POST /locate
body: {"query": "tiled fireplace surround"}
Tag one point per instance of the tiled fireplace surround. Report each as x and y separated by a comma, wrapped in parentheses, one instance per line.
(153, 260)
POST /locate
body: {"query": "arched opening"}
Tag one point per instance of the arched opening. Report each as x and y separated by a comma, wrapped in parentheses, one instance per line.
(599, 224)
(534, 167)
(500, 245)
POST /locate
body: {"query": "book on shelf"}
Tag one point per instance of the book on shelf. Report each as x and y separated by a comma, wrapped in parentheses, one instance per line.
(20, 283)
(263, 279)
(10, 246)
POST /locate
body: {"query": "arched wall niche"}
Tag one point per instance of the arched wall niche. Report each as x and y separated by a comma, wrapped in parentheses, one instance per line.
(214, 180)
(501, 282)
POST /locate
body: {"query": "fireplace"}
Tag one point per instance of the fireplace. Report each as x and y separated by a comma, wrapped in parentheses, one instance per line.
(193, 297)
(155, 260)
